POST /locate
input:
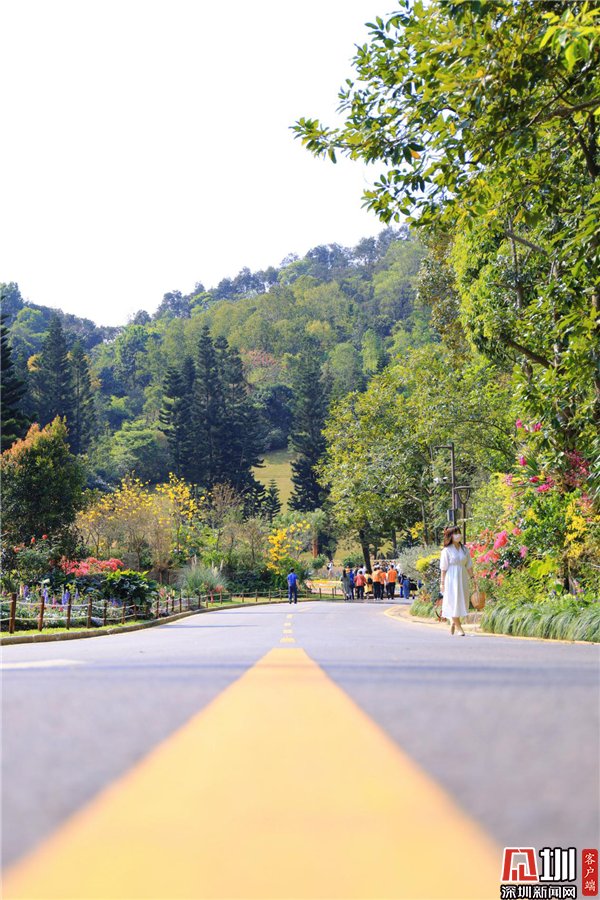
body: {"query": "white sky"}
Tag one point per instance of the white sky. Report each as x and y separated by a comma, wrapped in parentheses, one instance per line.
(146, 144)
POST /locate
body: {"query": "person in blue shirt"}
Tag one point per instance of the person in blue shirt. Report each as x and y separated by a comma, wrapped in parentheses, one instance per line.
(292, 581)
(351, 579)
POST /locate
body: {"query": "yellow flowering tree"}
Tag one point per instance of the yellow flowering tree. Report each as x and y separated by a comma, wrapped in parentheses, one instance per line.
(286, 543)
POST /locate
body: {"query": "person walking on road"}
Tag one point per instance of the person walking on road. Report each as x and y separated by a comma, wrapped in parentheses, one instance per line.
(359, 584)
(345, 580)
(390, 581)
(455, 566)
(406, 587)
(351, 576)
(292, 582)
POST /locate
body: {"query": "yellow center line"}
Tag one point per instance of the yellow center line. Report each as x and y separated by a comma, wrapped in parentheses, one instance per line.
(321, 803)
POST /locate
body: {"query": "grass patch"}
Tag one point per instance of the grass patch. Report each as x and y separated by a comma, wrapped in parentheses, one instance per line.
(565, 619)
(423, 608)
(278, 468)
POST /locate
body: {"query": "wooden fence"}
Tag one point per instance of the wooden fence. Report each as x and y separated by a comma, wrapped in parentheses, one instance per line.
(41, 613)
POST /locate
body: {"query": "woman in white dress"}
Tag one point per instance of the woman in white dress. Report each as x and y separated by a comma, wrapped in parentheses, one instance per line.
(455, 566)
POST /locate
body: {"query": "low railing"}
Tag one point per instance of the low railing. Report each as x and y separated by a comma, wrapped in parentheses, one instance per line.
(40, 613)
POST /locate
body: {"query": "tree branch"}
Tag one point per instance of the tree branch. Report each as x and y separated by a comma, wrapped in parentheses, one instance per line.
(534, 357)
(567, 111)
(526, 243)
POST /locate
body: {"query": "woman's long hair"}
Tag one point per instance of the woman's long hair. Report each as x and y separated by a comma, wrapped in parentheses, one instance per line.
(449, 530)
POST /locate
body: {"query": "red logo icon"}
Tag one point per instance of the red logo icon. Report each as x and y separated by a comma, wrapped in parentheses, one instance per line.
(589, 873)
(519, 864)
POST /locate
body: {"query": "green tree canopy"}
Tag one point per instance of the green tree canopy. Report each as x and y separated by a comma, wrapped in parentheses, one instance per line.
(42, 483)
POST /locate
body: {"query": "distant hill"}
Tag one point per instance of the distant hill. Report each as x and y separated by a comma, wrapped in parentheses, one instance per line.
(28, 323)
(352, 309)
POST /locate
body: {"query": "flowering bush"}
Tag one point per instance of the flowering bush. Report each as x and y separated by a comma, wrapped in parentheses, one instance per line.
(547, 526)
(89, 566)
(496, 552)
(428, 568)
(286, 544)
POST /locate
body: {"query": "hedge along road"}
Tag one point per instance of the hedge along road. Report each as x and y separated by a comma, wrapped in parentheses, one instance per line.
(318, 750)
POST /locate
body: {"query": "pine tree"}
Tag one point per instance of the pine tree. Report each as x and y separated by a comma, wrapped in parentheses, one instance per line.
(207, 414)
(272, 504)
(54, 378)
(306, 439)
(240, 429)
(176, 417)
(82, 421)
(255, 498)
(12, 391)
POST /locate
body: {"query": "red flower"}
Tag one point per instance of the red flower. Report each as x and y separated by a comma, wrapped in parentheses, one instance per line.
(501, 540)
(32, 540)
(522, 461)
(44, 537)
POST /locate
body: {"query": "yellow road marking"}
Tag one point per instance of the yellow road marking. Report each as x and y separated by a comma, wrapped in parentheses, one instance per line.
(287, 640)
(41, 664)
(321, 804)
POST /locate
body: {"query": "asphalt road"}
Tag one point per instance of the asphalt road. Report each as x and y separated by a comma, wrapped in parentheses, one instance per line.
(509, 728)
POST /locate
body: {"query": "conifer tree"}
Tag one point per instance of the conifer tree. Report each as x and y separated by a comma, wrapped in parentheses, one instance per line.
(81, 423)
(53, 379)
(176, 418)
(255, 497)
(207, 414)
(272, 504)
(306, 439)
(240, 429)
(12, 391)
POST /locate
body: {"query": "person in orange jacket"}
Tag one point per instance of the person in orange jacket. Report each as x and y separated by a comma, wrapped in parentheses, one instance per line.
(390, 581)
(359, 584)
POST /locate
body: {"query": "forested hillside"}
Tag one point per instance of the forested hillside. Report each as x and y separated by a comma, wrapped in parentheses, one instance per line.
(216, 378)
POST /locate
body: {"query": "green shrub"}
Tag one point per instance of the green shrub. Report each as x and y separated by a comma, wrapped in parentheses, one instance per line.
(422, 608)
(408, 558)
(562, 618)
(129, 587)
(198, 579)
(353, 561)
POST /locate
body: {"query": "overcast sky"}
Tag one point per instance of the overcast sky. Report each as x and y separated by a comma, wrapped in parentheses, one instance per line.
(146, 144)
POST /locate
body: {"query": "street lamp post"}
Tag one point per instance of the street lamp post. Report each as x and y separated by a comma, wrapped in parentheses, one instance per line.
(450, 447)
(464, 499)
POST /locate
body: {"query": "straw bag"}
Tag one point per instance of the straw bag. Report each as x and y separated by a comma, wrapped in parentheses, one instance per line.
(477, 598)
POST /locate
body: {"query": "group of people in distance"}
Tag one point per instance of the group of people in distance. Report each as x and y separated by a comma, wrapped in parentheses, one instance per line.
(359, 584)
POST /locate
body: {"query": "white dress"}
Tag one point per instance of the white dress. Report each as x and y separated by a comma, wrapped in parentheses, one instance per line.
(456, 563)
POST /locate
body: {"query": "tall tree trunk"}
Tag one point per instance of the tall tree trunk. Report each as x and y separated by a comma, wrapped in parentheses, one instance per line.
(365, 550)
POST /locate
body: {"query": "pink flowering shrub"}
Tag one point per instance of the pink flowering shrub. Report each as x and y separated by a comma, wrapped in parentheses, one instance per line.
(89, 566)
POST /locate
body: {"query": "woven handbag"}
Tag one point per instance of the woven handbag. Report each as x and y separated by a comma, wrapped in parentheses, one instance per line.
(477, 597)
